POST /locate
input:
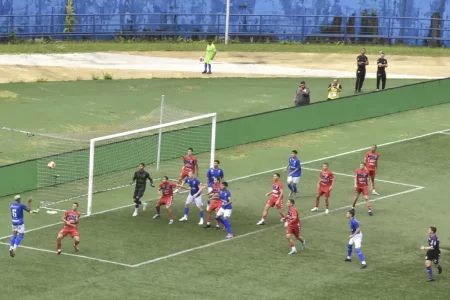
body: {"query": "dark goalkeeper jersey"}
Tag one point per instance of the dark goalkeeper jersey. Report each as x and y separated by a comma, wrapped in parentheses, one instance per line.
(141, 178)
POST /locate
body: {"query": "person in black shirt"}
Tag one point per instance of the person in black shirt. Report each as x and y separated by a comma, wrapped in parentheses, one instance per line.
(381, 71)
(140, 176)
(433, 252)
(361, 61)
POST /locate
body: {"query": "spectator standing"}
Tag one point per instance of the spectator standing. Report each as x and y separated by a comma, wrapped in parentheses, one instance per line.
(302, 95)
(381, 71)
(334, 89)
(361, 61)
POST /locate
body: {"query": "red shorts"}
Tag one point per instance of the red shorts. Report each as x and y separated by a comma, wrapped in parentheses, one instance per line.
(215, 205)
(363, 190)
(73, 232)
(165, 200)
(324, 190)
(184, 174)
(372, 173)
(295, 230)
(273, 201)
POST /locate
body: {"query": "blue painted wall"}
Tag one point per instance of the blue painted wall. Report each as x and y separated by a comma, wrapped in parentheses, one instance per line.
(390, 13)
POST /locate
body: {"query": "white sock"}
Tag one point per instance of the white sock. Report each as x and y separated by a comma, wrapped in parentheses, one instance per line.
(348, 257)
(136, 209)
(363, 262)
(185, 216)
(293, 249)
(208, 223)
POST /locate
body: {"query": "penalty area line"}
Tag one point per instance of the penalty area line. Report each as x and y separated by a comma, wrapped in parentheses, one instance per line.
(266, 229)
(378, 180)
(257, 174)
(72, 255)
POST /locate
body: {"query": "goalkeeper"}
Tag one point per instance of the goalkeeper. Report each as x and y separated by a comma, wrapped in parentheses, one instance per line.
(140, 176)
(209, 56)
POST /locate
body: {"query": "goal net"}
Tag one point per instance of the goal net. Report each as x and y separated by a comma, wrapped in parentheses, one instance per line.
(89, 163)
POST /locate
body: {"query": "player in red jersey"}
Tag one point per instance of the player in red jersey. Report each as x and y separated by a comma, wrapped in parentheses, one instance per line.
(190, 164)
(361, 186)
(276, 199)
(70, 219)
(325, 185)
(371, 161)
(293, 226)
(215, 202)
(166, 191)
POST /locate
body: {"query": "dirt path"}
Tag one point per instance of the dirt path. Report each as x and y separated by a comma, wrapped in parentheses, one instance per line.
(424, 66)
(410, 65)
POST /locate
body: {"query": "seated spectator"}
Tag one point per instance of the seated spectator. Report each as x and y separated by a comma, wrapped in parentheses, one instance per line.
(302, 95)
(334, 89)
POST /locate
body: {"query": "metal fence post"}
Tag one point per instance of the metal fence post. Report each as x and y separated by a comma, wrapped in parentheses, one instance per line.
(389, 31)
(260, 24)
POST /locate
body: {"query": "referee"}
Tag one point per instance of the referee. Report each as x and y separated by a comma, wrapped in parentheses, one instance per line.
(381, 71)
(361, 61)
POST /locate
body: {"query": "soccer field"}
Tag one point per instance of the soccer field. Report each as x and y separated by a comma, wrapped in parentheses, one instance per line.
(95, 105)
(135, 258)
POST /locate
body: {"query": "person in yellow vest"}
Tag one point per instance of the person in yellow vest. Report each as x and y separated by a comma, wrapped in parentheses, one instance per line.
(209, 56)
(334, 89)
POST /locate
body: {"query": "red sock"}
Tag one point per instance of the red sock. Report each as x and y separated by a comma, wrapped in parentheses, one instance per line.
(326, 203)
(58, 246)
(263, 217)
(291, 244)
(369, 207)
(209, 219)
(158, 210)
(170, 215)
(317, 203)
(76, 243)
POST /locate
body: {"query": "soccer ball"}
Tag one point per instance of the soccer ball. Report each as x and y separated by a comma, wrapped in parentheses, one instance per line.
(201, 59)
(51, 165)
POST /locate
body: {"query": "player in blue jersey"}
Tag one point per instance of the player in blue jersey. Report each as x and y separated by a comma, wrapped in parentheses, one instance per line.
(295, 171)
(355, 238)
(195, 196)
(18, 226)
(224, 213)
(433, 252)
(214, 172)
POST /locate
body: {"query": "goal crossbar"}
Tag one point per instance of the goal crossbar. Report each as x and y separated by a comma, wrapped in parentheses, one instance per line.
(92, 143)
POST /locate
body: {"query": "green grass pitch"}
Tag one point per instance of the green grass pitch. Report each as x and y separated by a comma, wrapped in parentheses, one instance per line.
(136, 258)
(93, 104)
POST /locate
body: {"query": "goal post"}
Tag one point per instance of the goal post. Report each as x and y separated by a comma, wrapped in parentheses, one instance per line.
(158, 158)
(100, 158)
(171, 129)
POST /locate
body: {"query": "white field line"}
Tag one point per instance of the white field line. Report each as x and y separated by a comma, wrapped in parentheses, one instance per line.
(265, 229)
(255, 174)
(210, 244)
(444, 132)
(73, 255)
(378, 180)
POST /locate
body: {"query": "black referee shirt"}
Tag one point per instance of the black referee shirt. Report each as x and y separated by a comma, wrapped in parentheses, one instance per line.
(361, 59)
(381, 61)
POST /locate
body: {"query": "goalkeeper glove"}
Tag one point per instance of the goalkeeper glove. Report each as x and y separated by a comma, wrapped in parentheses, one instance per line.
(131, 183)
(151, 184)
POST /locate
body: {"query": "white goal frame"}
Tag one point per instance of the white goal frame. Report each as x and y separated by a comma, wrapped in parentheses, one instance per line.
(160, 127)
